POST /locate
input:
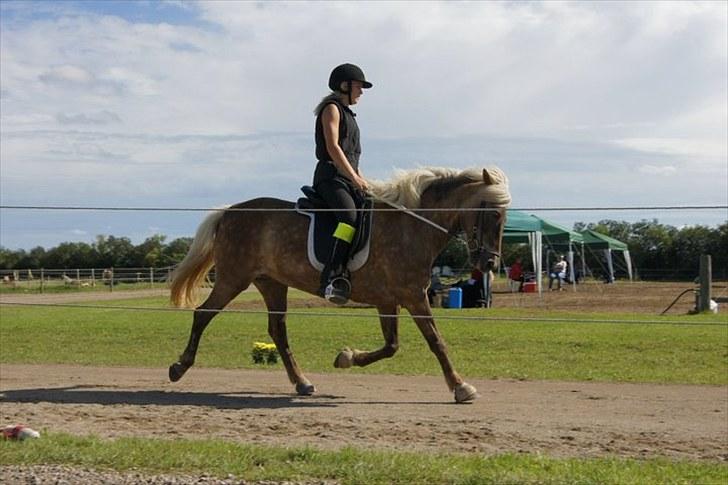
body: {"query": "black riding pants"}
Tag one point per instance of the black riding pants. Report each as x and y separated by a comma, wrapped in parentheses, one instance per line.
(339, 195)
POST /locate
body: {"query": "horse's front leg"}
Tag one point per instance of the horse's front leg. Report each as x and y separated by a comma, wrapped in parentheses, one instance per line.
(276, 300)
(422, 314)
(390, 324)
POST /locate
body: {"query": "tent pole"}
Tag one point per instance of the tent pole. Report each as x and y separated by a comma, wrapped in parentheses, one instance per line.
(628, 261)
(539, 267)
(572, 273)
(610, 266)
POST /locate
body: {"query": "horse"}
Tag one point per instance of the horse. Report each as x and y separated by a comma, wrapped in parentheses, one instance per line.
(249, 245)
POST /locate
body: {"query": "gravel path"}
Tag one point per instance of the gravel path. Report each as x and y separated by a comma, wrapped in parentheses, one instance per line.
(37, 298)
(67, 475)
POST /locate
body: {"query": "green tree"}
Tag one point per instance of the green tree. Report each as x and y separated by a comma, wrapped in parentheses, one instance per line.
(69, 255)
(149, 253)
(10, 258)
(718, 249)
(175, 251)
(454, 255)
(114, 251)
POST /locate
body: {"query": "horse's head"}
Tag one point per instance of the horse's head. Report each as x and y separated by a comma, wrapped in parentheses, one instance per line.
(484, 226)
(433, 188)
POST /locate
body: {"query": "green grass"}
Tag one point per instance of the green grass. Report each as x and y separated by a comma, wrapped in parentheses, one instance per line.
(564, 350)
(349, 465)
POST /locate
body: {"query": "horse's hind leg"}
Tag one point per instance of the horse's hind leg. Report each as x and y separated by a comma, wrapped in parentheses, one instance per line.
(222, 293)
(390, 327)
(275, 295)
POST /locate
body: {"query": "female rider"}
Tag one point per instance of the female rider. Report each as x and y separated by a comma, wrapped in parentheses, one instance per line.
(337, 177)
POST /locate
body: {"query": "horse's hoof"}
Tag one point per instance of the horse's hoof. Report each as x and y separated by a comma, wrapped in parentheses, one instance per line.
(345, 359)
(305, 389)
(465, 393)
(176, 371)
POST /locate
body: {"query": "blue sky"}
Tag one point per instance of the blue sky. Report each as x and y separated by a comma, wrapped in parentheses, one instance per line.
(200, 104)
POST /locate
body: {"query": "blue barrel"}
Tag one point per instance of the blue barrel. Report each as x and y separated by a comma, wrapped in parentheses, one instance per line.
(455, 298)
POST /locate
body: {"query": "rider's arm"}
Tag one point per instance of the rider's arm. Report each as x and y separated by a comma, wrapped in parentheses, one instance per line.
(330, 119)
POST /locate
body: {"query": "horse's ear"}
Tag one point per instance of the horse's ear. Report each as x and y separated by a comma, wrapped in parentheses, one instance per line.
(487, 178)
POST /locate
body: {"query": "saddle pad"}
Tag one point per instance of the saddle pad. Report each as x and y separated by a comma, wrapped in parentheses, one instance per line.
(321, 241)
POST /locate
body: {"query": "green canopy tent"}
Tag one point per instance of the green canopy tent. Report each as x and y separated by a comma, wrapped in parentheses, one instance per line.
(527, 228)
(597, 241)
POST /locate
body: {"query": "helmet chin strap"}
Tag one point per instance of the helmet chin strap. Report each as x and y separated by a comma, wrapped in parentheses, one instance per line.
(348, 85)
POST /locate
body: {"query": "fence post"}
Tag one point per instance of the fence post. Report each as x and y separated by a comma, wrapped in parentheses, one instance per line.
(151, 277)
(111, 280)
(705, 282)
(78, 277)
(42, 277)
(93, 277)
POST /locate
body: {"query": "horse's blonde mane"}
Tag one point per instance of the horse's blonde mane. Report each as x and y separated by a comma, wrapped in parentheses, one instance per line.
(406, 187)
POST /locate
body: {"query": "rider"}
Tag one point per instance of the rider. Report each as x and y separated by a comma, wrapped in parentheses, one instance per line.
(337, 177)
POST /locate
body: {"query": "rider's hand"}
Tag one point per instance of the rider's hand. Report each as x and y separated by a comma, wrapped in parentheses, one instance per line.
(361, 184)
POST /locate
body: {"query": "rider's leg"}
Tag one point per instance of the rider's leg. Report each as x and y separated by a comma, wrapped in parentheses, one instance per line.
(335, 283)
(337, 196)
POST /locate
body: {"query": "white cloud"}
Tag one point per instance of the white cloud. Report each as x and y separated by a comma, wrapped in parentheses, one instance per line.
(98, 118)
(66, 75)
(655, 170)
(692, 147)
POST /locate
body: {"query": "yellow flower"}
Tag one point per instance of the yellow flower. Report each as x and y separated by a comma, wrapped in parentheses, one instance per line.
(263, 352)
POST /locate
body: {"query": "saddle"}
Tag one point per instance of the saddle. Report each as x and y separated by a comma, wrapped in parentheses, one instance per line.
(321, 229)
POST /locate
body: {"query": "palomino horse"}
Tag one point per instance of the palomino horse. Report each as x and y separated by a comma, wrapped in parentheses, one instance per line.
(268, 249)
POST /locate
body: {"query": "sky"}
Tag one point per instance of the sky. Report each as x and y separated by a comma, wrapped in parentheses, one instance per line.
(202, 104)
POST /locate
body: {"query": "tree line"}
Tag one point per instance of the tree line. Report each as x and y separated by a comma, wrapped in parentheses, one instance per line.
(657, 250)
(104, 252)
(663, 251)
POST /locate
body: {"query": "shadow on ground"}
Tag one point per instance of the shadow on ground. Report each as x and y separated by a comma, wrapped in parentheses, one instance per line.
(100, 395)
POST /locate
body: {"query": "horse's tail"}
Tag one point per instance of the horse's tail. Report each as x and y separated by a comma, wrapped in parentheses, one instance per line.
(191, 272)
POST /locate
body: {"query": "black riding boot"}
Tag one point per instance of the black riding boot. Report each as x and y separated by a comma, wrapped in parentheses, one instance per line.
(335, 285)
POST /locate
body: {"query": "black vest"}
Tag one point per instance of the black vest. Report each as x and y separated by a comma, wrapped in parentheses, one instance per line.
(348, 135)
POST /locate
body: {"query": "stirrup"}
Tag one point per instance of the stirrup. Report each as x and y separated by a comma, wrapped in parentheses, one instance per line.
(338, 290)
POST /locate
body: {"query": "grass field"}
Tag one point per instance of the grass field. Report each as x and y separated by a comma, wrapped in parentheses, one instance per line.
(349, 465)
(563, 347)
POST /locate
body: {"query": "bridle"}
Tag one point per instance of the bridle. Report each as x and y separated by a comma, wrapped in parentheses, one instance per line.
(476, 246)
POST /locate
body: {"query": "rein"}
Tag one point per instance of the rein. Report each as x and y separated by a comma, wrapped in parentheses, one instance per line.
(476, 250)
(416, 216)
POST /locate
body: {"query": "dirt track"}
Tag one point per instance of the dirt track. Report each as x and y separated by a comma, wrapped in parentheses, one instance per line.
(394, 412)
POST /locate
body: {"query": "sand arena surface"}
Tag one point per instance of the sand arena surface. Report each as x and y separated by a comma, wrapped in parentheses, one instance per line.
(561, 419)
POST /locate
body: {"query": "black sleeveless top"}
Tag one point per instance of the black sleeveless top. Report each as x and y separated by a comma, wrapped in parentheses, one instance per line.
(348, 141)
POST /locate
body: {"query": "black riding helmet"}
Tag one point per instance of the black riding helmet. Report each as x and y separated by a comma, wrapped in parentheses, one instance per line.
(347, 73)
